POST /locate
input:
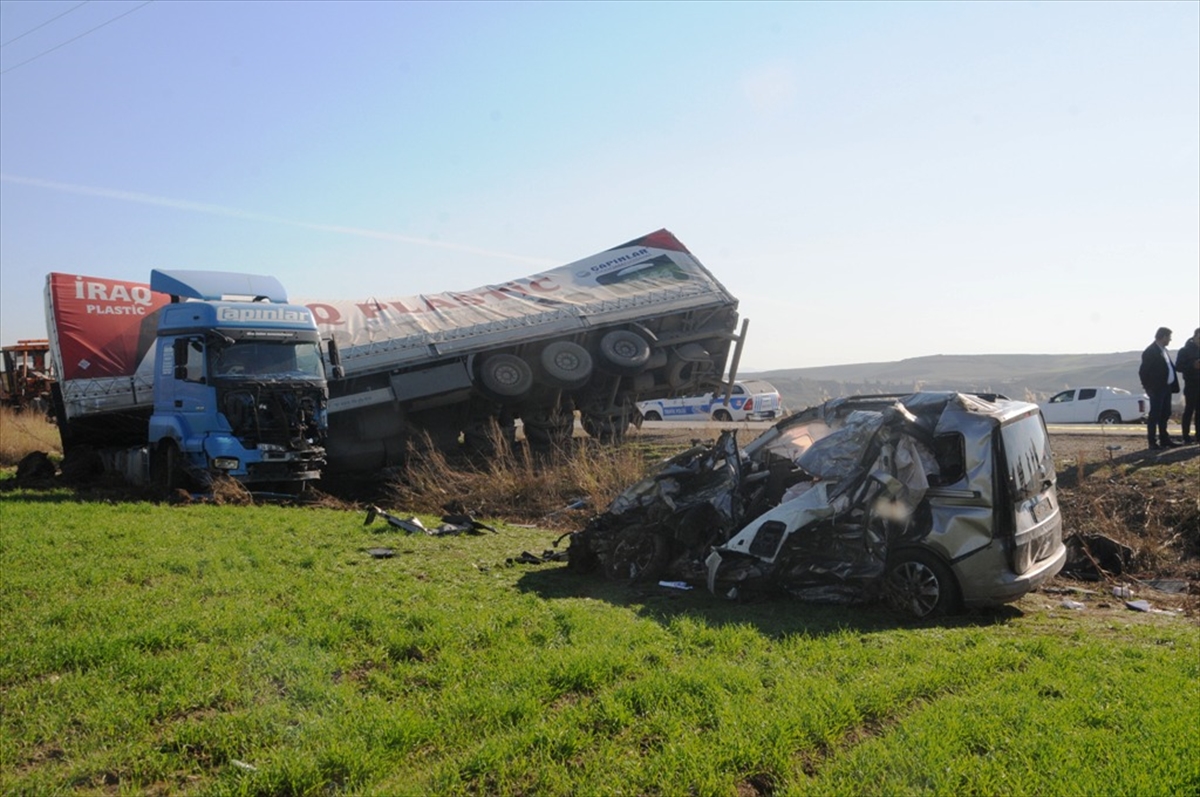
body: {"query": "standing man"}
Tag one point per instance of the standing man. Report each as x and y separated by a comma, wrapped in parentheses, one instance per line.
(1188, 364)
(1159, 380)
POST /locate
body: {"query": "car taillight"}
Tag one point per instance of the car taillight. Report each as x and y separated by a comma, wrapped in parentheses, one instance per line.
(1141, 406)
(749, 405)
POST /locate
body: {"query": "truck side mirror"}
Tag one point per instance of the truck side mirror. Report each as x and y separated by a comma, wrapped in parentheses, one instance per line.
(335, 361)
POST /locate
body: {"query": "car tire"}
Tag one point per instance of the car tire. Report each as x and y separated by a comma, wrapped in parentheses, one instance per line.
(639, 556)
(921, 586)
(722, 416)
(506, 375)
(1110, 417)
(626, 353)
(565, 364)
(652, 415)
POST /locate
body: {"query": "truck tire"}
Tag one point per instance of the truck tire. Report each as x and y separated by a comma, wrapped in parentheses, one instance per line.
(565, 364)
(651, 415)
(1110, 417)
(506, 375)
(166, 468)
(626, 353)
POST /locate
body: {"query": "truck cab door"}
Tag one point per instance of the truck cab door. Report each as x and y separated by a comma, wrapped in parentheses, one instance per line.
(182, 395)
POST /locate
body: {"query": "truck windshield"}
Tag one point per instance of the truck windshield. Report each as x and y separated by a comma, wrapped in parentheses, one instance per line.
(1030, 465)
(267, 359)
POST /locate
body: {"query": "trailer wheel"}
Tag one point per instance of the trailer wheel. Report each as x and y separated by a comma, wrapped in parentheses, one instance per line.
(506, 375)
(565, 364)
(625, 352)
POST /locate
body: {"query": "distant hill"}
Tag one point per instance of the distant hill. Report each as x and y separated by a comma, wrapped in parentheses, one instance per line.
(1031, 377)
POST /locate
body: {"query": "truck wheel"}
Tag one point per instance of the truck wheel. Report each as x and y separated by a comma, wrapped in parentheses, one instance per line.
(1110, 417)
(723, 416)
(506, 375)
(166, 468)
(921, 586)
(651, 416)
(625, 352)
(565, 364)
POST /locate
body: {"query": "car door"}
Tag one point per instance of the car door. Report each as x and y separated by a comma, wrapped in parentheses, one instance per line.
(1087, 405)
(1060, 408)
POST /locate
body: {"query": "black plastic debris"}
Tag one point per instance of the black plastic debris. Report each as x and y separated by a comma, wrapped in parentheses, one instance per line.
(1092, 557)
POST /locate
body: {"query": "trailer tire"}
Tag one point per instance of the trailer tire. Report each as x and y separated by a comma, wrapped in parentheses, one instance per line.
(625, 352)
(506, 375)
(565, 365)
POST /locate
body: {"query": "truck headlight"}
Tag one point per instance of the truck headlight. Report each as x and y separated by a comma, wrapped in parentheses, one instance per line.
(225, 463)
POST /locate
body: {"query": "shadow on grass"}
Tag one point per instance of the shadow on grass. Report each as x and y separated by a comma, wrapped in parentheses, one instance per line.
(773, 616)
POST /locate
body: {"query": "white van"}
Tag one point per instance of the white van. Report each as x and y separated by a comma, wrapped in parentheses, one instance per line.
(752, 400)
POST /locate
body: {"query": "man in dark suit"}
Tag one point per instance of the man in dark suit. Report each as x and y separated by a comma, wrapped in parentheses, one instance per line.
(1187, 363)
(1159, 380)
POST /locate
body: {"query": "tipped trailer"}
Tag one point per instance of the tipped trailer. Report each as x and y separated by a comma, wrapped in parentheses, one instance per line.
(641, 320)
(197, 374)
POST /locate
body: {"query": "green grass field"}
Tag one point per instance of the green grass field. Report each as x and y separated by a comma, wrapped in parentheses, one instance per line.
(199, 649)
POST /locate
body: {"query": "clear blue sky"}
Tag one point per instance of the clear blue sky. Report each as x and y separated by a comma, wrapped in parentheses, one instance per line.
(874, 181)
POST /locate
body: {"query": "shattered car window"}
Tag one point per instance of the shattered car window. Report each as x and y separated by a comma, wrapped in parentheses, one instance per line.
(1027, 450)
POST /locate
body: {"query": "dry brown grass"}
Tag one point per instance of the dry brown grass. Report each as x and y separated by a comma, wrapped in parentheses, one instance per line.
(22, 433)
(1154, 509)
(518, 484)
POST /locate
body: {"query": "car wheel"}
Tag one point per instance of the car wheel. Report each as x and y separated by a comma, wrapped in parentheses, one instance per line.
(652, 416)
(639, 556)
(506, 375)
(723, 416)
(921, 586)
(565, 364)
(626, 352)
(1110, 417)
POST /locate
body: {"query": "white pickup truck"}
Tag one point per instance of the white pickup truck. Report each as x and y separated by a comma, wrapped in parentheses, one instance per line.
(752, 400)
(1095, 405)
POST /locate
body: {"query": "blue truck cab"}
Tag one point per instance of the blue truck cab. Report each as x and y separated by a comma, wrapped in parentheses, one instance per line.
(240, 386)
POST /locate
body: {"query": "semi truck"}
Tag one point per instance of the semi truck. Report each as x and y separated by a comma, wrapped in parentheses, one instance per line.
(195, 375)
(447, 370)
(643, 319)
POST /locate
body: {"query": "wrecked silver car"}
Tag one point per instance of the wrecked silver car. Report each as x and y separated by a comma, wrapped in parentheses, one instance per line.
(933, 501)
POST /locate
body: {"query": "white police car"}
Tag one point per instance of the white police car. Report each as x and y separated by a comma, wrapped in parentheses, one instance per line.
(752, 400)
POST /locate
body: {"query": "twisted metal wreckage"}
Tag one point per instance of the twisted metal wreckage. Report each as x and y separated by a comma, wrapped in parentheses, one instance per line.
(934, 500)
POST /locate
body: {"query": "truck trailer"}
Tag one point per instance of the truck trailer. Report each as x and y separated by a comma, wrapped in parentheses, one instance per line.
(197, 374)
(643, 319)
